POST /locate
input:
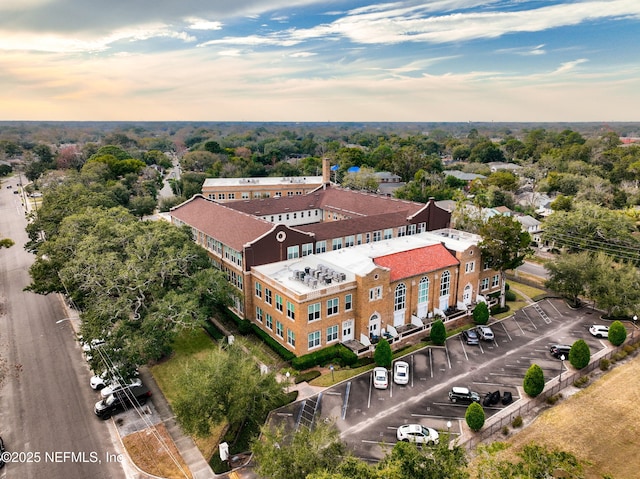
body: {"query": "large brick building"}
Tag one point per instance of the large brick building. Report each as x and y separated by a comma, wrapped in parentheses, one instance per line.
(337, 265)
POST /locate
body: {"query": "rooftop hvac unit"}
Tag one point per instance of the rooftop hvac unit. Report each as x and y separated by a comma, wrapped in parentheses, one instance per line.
(297, 274)
(314, 283)
(317, 273)
(327, 279)
(307, 269)
(343, 276)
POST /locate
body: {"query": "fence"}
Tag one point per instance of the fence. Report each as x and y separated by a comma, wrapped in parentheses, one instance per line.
(507, 415)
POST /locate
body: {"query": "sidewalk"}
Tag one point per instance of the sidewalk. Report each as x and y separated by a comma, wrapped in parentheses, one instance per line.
(155, 412)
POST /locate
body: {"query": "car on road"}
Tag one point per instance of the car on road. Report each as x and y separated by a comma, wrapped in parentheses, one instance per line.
(116, 387)
(485, 333)
(121, 400)
(401, 372)
(380, 378)
(599, 330)
(559, 350)
(462, 394)
(471, 336)
(417, 433)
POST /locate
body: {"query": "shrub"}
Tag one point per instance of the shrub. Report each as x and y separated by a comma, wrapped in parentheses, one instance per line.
(438, 333)
(383, 355)
(554, 399)
(517, 422)
(533, 383)
(619, 356)
(212, 330)
(579, 354)
(510, 296)
(604, 364)
(581, 382)
(283, 352)
(617, 333)
(475, 416)
(244, 327)
(337, 354)
(505, 430)
(306, 377)
(481, 313)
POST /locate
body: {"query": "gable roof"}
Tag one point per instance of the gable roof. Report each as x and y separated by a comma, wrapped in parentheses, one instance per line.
(231, 227)
(350, 203)
(406, 264)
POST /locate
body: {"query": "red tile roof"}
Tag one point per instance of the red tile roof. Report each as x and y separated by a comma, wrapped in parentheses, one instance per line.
(417, 261)
(229, 226)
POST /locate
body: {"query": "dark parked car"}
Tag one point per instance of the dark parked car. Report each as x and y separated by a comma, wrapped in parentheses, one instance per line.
(458, 394)
(491, 399)
(558, 350)
(121, 400)
(471, 336)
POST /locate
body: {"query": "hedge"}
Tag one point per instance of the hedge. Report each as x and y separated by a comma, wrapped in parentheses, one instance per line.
(337, 354)
(283, 352)
(306, 377)
(212, 330)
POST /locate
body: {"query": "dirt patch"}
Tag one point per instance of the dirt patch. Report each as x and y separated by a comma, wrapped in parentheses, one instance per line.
(597, 424)
(153, 451)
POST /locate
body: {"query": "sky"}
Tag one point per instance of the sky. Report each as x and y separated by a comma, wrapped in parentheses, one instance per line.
(321, 61)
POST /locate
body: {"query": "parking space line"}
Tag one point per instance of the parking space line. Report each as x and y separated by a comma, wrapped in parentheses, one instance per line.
(524, 311)
(505, 330)
(515, 320)
(346, 400)
(428, 416)
(553, 306)
(370, 384)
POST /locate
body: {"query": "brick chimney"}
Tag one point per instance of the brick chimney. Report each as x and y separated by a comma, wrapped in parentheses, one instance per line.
(326, 171)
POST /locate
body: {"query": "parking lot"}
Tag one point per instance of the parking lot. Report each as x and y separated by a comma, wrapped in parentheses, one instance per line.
(368, 418)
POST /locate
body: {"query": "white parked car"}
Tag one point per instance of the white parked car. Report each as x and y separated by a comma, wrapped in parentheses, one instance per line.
(417, 433)
(380, 378)
(99, 381)
(599, 331)
(401, 372)
(485, 333)
(115, 387)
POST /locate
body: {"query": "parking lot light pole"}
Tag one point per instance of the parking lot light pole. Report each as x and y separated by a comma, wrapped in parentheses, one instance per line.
(561, 366)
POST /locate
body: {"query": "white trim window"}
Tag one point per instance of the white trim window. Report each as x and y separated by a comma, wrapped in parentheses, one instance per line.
(470, 267)
(314, 340)
(348, 302)
(445, 283)
(375, 293)
(291, 338)
(484, 284)
(291, 311)
(314, 311)
(400, 298)
(332, 306)
(332, 333)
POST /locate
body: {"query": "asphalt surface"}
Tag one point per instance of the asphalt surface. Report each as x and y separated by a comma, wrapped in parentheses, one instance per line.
(46, 405)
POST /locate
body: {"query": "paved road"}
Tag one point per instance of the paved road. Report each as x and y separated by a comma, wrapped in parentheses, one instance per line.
(535, 269)
(46, 404)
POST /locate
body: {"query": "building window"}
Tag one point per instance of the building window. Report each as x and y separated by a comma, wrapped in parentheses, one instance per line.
(332, 333)
(367, 238)
(495, 281)
(321, 247)
(388, 233)
(314, 339)
(485, 265)
(402, 230)
(400, 299)
(307, 249)
(267, 295)
(336, 243)
(470, 267)
(291, 338)
(258, 290)
(314, 311)
(287, 216)
(412, 230)
(269, 321)
(348, 302)
(279, 302)
(359, 239)
(279, 329)
(332, 306)
(349, 241)
(423, 290)
(422, 227)
(375, 293)
(293, 252)
(377, 235)
(259, 314)
(445, 283)
(484, 284)
(291, 311)
(245, 195)
(221, 196)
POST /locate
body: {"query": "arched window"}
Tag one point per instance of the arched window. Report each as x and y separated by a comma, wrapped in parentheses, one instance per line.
(400, 297)
(423, 290)
(445, 283)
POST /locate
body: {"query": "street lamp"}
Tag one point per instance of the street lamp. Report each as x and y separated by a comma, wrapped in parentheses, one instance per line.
(448, 427)
(561, 365)
(287, 374)
(331, 369)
